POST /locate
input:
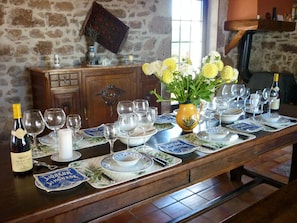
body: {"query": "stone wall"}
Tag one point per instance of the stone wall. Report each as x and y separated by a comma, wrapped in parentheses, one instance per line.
(31, 31)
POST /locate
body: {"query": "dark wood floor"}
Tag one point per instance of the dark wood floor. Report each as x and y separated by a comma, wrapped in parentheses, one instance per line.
(175, 204)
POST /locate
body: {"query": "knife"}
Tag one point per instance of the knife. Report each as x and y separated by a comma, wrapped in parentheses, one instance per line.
(209, 147)
(272, 127)
(243, 137)
(158, 160)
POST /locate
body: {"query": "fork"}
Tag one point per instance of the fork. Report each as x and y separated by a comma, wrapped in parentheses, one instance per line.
(44, 164)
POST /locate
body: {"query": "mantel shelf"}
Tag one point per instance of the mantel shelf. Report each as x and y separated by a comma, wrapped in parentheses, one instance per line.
(242, 26)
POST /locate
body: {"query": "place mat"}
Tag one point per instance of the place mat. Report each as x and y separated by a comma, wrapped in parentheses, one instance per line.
(103, 178)
(47, 150)
(285, 122)
(211, 146)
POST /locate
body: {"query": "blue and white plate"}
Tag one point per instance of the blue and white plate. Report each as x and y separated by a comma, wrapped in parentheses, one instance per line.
(61, 179)
(177, 147)
(245, 127)
(94, 132)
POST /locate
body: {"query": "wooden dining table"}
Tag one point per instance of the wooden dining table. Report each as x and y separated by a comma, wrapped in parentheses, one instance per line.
(22, 201)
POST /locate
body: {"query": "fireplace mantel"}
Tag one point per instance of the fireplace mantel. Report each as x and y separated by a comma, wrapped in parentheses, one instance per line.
(242, 26)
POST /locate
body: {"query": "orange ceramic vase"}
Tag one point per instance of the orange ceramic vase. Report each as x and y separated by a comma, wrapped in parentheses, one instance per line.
(187, 117)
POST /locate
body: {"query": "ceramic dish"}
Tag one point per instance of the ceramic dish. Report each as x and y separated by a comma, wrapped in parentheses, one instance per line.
(177, 147)
(137, 140)
(217, 133)
(144, 163)
(204, 136)
(61, 179)
(165, 118)
(245, 127)
(231, 115)
(94, 132)
(280, 121)
(126, 158)
(76, 155)
(273, 117)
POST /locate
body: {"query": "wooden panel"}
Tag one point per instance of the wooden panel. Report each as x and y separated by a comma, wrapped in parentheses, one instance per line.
(95, 82)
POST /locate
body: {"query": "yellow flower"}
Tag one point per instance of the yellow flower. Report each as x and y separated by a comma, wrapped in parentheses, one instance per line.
(167, 76)
(227, 73)
(170, 64)
(209, 70)
(147, 69)
(220, 65)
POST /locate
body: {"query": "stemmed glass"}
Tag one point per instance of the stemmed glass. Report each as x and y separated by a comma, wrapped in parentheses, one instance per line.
(110, 134)
(127, 123)
(227, 92)
(254, 103)
(125, 107)
(264, 97)
(238, 91)
(221, 106)
(73, 122)
(141, 108)
(55, 119)
(33, 123)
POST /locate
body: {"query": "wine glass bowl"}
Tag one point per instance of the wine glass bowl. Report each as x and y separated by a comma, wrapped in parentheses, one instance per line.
(127, 123)
(125, 107)
(55, 119)
(33, 123)
(73, 122)
(254, 102)
(238, 91)
(221, 105)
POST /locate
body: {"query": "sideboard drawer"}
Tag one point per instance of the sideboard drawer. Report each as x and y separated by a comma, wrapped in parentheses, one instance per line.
(64, 79)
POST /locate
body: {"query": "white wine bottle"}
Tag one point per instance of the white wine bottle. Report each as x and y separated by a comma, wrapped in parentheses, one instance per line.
(20, 152)
(275, 87)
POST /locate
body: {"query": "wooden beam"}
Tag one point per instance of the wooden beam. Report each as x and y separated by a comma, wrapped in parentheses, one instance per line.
(234, 41)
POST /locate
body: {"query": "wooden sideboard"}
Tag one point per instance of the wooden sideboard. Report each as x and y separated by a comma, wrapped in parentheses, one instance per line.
(92, 92)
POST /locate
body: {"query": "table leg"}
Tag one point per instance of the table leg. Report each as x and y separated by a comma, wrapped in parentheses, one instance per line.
(235, 174)
(293, 170)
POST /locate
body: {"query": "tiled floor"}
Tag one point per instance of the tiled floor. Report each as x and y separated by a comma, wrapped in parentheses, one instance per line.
(166, 208)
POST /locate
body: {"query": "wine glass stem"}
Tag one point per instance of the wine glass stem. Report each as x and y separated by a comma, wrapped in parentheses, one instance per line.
(111, 143)
(220, 120)
(269, 107)
(35, 142)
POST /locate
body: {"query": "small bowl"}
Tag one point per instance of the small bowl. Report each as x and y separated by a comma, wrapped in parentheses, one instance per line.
(217, 133)
(137, 139)
(231, 115)
(126, 158)
(273, 117)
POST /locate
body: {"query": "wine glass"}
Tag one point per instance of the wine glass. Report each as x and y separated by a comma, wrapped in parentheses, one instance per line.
(73, 122)
(254, 102)
(33, 123)
(127, 123)
(125, 107)
(140, 105)
(264, 97)
(221, 106)
(245, 97)
(110, 134)
(55, 119)
(238, 91)
(227, 92)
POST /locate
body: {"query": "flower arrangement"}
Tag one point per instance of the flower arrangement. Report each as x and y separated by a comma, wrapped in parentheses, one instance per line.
(186, 85)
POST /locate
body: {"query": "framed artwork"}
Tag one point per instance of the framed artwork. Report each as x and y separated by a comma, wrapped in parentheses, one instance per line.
(109, 30)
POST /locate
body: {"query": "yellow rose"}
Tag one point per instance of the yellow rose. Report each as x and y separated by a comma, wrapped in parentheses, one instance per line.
(170, 64)
(227, 73)
(147, 69)
(220, 65)
(209, 70)
(167, 76)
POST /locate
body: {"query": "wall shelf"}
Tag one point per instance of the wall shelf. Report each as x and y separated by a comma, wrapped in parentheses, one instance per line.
(242, 26)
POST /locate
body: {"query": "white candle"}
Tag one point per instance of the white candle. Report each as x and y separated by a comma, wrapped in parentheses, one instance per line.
(65, 144)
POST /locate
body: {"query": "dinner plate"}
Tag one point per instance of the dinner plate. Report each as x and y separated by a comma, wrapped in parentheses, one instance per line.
(76, 155)
(230, 137)
(245, 127)
(144, 163)
(61, 179)
(177, 147)
(94, 132)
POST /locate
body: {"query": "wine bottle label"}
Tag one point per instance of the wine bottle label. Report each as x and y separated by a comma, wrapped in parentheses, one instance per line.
(21, 162)
(19, 133)
(275, 104)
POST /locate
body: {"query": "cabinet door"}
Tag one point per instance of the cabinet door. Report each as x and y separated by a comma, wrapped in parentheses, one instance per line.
(66, 98)
(114, 84)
